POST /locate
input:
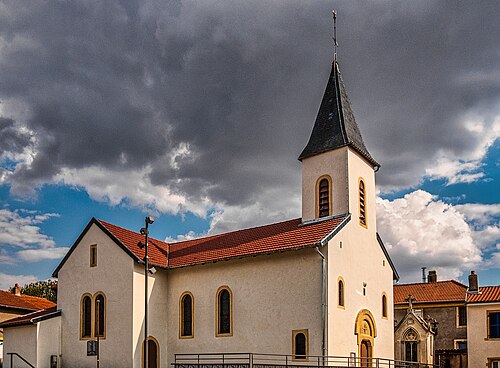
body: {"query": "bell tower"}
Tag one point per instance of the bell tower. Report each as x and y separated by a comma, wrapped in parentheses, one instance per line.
(338, 172)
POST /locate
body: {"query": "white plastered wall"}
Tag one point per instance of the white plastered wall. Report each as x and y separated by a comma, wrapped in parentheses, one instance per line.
(49, 341)
(113, 276)
(333, 163)
(157, 309)
(272, 295)
(479, 347)
(360, 260)
(21, 340)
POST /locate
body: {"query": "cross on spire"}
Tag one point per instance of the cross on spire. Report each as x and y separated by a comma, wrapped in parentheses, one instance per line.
(410, 301)
(335, 44)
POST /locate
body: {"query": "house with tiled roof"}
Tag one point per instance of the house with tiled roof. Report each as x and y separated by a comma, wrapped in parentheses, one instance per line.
(14, 304)
(438, 302)
(483, 316)
(318, 285)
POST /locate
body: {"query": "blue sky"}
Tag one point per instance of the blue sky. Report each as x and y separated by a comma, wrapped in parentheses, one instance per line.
(195, 113)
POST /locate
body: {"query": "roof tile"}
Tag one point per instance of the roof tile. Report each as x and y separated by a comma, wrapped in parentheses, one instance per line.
(277, 237)
(27, 302)
(430, 292)
(487, 294)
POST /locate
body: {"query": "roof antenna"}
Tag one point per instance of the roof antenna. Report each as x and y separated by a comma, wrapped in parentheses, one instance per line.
(335, 44)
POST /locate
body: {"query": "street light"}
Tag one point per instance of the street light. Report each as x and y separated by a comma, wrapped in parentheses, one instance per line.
(145, 231)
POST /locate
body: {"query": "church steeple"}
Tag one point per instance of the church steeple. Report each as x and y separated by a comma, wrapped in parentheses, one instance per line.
(335, 124)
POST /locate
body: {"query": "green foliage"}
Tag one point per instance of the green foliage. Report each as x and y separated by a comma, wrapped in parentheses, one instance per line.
(43, 289)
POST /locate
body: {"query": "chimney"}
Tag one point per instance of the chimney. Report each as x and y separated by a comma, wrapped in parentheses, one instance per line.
(473, 283)
(16, 290)
(432, 276)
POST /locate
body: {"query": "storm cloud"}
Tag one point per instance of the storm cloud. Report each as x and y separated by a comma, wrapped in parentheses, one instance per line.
(209, 103)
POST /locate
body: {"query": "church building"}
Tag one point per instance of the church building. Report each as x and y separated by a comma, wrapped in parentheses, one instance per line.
(319, 285)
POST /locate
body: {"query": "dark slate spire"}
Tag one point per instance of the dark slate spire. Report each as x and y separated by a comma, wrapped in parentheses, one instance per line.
(335, 124)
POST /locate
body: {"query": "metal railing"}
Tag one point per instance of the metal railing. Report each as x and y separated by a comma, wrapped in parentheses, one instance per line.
(254, 360)
(20, 357)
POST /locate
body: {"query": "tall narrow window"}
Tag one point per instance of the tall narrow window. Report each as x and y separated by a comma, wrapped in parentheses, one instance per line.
(186, 315)
(224, 312)
(93, 255)
(86, 317)
(362, 203)
(300, 344)
(323, 191)
(384, 306)
(494, 325)
(461, 316)
(99, 315)
(341, 301)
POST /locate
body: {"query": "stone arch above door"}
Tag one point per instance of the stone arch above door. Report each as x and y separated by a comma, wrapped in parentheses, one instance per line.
(366, 330)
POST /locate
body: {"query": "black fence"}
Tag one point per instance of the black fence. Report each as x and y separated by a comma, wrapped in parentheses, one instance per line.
(253, 360)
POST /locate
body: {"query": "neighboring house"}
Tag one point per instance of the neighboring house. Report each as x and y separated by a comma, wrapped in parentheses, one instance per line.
(483, 316)
(444, 303)
(317, 285)
(32, 336)
(13, 304)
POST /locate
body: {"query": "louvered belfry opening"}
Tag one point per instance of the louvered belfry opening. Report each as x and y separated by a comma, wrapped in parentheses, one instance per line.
(362, 210)
(324, 198)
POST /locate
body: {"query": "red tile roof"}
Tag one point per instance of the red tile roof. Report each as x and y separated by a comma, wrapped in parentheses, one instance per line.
(430, 292)
(30, 318)
(486, 294)
(27, 302)
(277, 237)
(157, 250)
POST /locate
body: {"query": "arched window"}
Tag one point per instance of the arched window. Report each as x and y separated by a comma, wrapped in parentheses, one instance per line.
(362, 203)
(224, 312)
(384, 306)
(411, 345)
(323, 197)
(186, 315)
(86, 317)
(99, 315)
(300, 344)
(341, 297)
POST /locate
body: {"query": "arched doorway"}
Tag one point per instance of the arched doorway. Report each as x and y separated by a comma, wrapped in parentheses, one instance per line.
(153, 354)
(366, 332)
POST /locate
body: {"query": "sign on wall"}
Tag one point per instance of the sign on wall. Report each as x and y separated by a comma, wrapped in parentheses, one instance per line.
(92, 348)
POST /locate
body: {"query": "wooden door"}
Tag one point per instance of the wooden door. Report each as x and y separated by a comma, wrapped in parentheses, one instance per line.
(365, 354)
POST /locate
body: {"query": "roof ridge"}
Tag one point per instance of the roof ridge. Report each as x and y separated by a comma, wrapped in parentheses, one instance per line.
(124, 228)
(430, 283)
(235, 231)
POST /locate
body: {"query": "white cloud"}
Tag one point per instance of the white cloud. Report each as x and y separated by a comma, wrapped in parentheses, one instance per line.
(133, 188)
(479, 212)
(19, 229)
(7, 281)
(466, 168)
(420, 230)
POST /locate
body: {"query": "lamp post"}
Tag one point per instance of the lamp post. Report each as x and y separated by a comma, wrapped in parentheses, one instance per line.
(98, 330)
(145, 231)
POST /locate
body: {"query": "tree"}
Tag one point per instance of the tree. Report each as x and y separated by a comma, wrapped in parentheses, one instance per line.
(43, 289)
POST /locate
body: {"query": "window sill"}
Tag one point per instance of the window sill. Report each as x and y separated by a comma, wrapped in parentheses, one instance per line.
(224, 334)
(341, 307)
(186, 337)
(492, 339)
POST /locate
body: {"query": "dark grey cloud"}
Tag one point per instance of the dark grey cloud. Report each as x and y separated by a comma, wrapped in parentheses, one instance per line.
(121, 84)
(12, 140)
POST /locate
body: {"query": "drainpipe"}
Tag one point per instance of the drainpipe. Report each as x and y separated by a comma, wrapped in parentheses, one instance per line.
(323, 301)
